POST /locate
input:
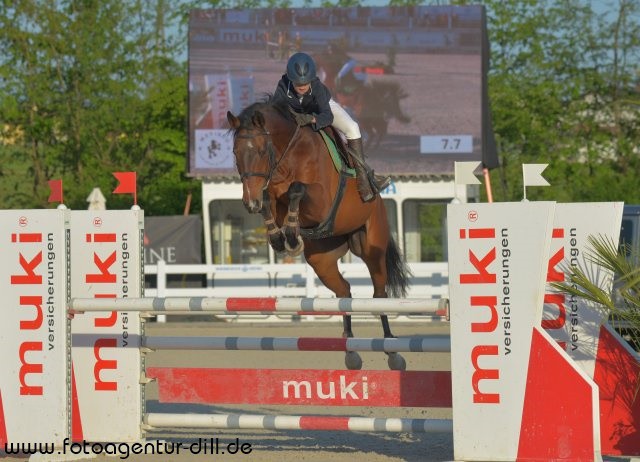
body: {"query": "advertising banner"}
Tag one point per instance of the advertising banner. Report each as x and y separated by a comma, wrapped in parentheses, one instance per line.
(106, 262)
(581, 327)
(572, 321)
(506, 371)
(34, 330)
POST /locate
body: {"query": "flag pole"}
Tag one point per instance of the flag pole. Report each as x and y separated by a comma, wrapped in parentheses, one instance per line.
(487, 184)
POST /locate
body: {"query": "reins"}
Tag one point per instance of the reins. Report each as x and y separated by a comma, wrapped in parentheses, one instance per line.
(273, 164)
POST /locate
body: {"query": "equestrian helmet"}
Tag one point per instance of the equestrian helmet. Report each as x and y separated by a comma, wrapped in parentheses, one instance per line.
(301, 69)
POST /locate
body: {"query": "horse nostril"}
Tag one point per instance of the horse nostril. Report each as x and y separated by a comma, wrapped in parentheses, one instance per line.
(253, 206)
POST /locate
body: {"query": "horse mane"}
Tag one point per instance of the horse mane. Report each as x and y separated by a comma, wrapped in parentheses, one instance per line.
(265, 104)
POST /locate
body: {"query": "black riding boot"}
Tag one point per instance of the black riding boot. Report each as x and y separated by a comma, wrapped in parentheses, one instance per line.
(369, 184)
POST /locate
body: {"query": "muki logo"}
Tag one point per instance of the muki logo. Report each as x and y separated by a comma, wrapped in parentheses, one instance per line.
(103, 263)
(30, 278)
(483, 304)
(303, 389)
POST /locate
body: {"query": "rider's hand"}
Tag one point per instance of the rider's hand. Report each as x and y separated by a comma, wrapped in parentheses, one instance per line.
(303, 119)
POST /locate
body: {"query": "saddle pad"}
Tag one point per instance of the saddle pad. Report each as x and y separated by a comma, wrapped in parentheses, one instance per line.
(335, 156)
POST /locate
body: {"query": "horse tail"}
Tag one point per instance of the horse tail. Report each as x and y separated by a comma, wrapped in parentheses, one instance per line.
(398, 272)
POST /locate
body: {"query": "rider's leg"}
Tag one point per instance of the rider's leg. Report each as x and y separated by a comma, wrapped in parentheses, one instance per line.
(369, 184)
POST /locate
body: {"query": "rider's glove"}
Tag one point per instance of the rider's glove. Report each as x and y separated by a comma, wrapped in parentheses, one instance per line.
(302, 119)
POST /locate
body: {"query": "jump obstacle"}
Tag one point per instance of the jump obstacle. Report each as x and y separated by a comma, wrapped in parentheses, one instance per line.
(506, 377)
(243, 386)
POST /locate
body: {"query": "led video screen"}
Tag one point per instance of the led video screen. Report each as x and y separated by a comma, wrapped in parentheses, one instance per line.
(411, 76)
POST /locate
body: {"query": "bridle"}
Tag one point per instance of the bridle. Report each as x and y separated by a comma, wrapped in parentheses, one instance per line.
(273, 163)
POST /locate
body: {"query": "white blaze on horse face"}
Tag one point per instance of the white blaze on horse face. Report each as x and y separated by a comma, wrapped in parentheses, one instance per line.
(252, 193)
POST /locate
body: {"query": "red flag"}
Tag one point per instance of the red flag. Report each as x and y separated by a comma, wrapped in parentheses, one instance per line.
(127, 184)
(56, 191)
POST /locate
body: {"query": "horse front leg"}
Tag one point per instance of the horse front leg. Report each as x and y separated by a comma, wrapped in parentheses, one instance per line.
(274, 234)
(293, 241)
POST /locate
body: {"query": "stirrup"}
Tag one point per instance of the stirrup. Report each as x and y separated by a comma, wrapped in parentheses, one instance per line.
(378, 182)
(381, 182)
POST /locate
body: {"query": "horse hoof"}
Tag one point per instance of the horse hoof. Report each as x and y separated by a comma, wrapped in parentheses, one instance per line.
(353, 361)
(396, 362)
(278, 247)
(294, 251)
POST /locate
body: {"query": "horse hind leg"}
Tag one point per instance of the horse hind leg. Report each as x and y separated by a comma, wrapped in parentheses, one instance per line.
(352, 359)
(378, 264)
(395, 360)
(323, 256)
(293, 241)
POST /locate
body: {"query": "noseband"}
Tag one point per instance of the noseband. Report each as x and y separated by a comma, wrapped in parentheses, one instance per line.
(273, 164)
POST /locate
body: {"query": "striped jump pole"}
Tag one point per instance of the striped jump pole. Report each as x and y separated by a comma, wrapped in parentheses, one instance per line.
(265, 305)
(290, 422)
(424, 344)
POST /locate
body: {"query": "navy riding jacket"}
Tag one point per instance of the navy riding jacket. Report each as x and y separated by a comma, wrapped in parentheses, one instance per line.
(315, 101)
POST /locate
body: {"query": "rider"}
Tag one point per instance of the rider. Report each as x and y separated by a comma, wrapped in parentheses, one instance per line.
(311, 104)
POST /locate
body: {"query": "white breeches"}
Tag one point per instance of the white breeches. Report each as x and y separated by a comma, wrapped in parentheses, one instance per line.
(343, 121)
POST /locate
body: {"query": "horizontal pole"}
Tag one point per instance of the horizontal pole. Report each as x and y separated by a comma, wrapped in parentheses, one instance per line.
(291, 422)
(282, 313)
(427, 344)
(238, 305)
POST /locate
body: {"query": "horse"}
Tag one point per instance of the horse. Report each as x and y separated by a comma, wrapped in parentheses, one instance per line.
(307, 205)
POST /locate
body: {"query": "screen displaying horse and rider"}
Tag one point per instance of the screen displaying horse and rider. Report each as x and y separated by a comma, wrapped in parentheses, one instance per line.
(411, 77)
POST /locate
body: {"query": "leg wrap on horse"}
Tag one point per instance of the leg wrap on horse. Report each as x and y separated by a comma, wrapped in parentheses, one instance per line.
(274, 233)
(369, 184)
(293, 241)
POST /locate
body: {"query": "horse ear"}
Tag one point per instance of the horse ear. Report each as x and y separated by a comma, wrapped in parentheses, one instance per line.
(233, 120)
(258, 119)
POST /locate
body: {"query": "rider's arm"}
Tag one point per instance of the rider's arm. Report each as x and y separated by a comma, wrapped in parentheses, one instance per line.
(324, 116)
(281, 89)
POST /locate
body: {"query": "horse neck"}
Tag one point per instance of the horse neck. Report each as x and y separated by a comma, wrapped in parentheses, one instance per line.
(282, 134)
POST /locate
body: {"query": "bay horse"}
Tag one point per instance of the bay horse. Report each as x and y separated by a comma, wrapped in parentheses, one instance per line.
(289, 177)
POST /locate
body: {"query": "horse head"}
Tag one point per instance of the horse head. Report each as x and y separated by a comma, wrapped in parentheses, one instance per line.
(257, 132)
(254, 153)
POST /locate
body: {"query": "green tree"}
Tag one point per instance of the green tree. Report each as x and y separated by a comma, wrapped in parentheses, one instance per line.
(564, 91)
(86, 89)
